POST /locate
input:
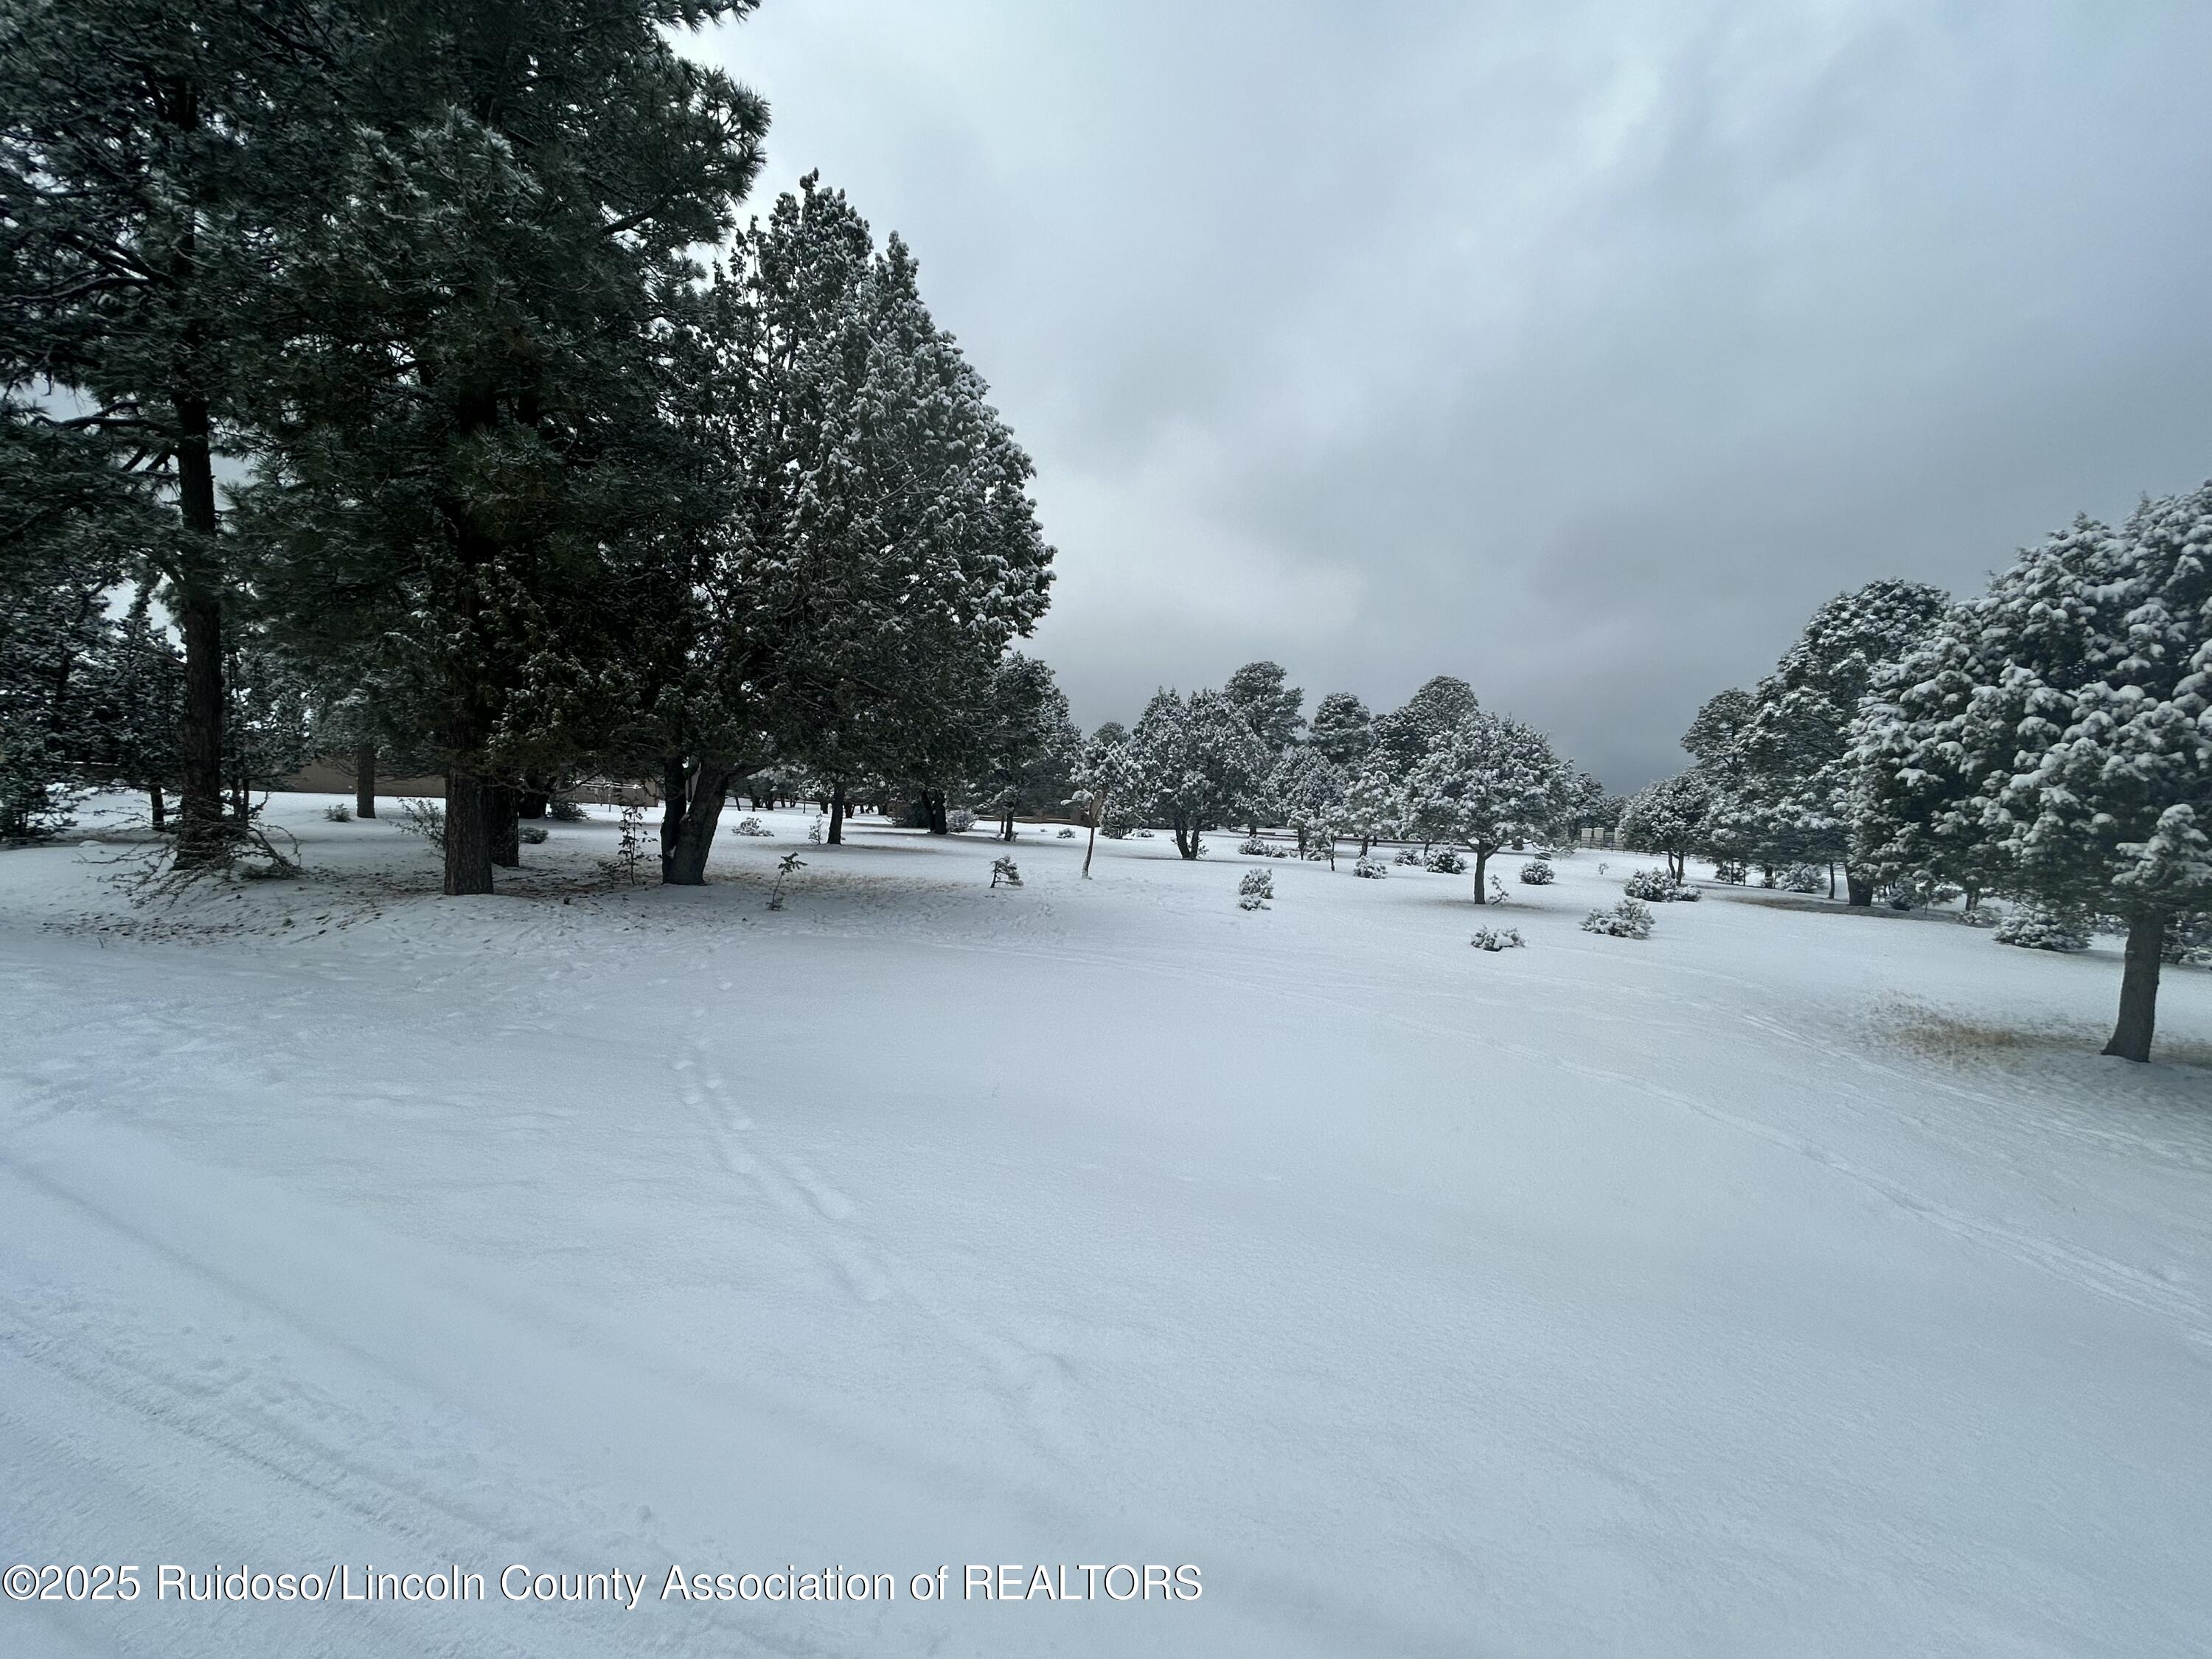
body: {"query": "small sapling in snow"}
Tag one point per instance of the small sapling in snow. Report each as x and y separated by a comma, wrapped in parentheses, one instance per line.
(784, 866)
(338, 812)
(749, 825)
(1371, 869)
(1498, 938)
(1004, 869)
(1255, 891)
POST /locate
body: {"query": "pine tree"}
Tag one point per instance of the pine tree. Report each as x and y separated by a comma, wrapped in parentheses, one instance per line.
(152, 158)
(2055, 737)
(1197, 764)
(1671, 817)
(467, 455)
(1342, 730)
(1269, 707)
(1784, 778)
(1489, 781)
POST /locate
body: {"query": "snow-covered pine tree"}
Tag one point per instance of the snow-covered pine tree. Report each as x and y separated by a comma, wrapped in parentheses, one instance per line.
(1196, 763)
(2057, 732)
(157, 164)
(1308, 790)
(469, 433)
(1489, 781)
(1269, 707)
(1783, 781)
(1342, 730)
(1030, 747)
(1669, 817)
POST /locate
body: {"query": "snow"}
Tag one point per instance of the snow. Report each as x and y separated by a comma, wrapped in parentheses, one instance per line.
(1792, 1281)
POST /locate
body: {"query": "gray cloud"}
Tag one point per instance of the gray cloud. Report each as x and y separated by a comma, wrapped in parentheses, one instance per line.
(1580, 350)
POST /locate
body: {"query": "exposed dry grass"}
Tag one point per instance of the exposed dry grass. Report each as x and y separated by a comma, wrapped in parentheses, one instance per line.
(1938, 1034)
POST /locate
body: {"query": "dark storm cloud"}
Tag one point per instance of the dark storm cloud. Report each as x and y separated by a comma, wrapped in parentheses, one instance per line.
(1577, 350)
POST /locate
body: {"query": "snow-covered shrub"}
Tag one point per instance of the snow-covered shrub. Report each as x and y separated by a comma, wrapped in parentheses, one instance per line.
(1804, 878)
(1316, 852)
(959, 820)
(1730, 871)
(1408, 856)
(1656, 886)
(1537, 872)
(1446, 862)
(338, 812)
(1630, 918)
(1980, 915)
(1113, 831)
(1004, 869)
(1143, 835)
(561, 810)
(814, 830)
(1371, 869)
(1255, 891)
(1498, 938)
(1253, 847)
(426, 818)
(2038, 927)
(531, 834)
(1067, 834)
(749, 825)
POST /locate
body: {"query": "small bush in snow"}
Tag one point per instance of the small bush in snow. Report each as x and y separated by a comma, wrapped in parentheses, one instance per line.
(1143, 835)
(561, 810)
(531, 834)
(1253, 847)
(1067, 834)
(1255, 891)
(1498, 938)
(1003, 869)
(338, 812)
(959, 820)
(1537, 872)
(749, 825)
(1656, 886)
(1980, 915)
(1730, 871)
(1630, 918)
(1804, 878)
(2036, 928)
(1446, 862)
(1371, 869)
(814, 830)
(1407, 855)
(425, 818)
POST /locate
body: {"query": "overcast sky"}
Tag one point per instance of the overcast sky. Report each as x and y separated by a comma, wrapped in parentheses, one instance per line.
(1579, 351)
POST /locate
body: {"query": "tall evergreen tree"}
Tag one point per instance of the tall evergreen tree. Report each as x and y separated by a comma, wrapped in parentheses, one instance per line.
(1342, 729)
(2054, 737)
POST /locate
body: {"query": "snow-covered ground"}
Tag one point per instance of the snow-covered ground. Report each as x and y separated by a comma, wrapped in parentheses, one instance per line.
(1793, 1282)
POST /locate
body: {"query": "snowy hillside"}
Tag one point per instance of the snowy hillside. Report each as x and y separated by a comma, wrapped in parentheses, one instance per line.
(1791, 1282)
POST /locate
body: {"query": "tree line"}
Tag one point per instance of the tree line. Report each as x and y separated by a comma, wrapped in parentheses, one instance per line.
(2048, 741)
(396, 377)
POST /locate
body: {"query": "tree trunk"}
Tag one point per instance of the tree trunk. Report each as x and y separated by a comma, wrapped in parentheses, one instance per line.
(468, 834)
(1481, 869)
(1186, 840)
(1006, 824)
(1831, 877)
(535, 798)
(203, 837)
(506, 828)
(158, 807)
(1098, 811)
(934, 800)
(837, 816)
(364, 780)
(696, 797)
(1860, 888)
(2139, 987)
